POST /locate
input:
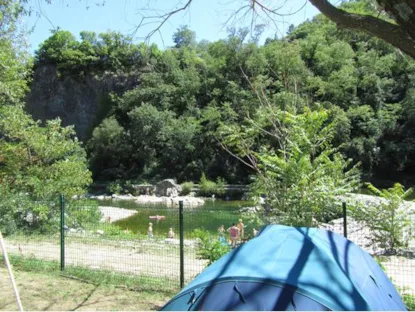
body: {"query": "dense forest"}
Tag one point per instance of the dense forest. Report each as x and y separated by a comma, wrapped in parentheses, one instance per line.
(196, 107)
(172, 123)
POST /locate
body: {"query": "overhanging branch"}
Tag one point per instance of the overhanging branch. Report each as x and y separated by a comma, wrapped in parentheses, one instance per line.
(394, 34)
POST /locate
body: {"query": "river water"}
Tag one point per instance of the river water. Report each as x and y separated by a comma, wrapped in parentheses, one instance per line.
(207, 217)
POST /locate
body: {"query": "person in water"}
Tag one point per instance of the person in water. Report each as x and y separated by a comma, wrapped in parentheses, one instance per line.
(234, 234)
(221, 231)
(241, 228)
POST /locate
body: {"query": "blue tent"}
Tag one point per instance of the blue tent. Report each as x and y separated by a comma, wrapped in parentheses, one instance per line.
(288, 268)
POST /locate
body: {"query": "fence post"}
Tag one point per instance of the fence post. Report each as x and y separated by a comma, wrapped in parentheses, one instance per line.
(181, 244)
(62, 202)
(344, 220)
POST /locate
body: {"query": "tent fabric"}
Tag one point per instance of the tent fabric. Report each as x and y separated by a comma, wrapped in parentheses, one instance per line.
(288, 268)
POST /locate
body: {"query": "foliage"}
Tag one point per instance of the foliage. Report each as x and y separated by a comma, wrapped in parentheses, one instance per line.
(14, 63)
(114, 187)
(209, 248)
(172, 123)
(409, 301)
(209, 188)
(220, 186)
(186, 188)
(206, 187)
(9, 222)
(390, 221)
(42, 161)
(82, 213)
(20, 213)
(107, 50)
(303, 174)
(184, 37)
(36, 162)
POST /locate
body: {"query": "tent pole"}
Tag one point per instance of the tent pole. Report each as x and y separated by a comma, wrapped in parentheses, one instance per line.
(9, 269)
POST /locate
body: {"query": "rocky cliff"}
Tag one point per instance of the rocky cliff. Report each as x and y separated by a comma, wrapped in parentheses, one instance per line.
(79, 99)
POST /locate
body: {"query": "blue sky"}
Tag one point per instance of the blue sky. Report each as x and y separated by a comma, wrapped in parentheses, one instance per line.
(208, 18)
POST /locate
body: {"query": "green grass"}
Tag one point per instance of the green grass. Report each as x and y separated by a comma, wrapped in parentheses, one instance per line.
(51, 291)
(136, 283)
(110, 278)
(96, 277)
(31, 264)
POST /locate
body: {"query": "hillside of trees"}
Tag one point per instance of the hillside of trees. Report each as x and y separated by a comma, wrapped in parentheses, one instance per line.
(176, 122)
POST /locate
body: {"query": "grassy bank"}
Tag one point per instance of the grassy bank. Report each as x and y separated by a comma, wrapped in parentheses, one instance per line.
(43, 287)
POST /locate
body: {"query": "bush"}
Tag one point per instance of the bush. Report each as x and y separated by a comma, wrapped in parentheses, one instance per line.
(186, 188)
(206, 187)
(390, 220)
(209, 248)
(220, 186)
(9, 221)
(409, 301)
(82, 213)
(21, 213)
(114, 187)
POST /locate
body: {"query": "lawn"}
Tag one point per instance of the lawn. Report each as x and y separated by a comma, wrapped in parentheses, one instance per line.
(51, 291)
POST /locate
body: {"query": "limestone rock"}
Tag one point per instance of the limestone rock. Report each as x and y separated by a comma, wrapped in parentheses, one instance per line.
(168, 188)
(79, 100)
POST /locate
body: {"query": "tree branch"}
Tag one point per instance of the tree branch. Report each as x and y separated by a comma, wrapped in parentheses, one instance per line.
(394, 34)
(251, 165)
(163, 17)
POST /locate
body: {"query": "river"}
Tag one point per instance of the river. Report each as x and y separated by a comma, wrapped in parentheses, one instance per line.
(208, 217)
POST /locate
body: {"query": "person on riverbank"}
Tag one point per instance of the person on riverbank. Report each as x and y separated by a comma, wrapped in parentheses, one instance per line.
(234, 235)
(171, 233)
(150, 230)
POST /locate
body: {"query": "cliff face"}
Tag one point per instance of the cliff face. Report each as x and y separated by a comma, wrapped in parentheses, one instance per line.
(81, 100)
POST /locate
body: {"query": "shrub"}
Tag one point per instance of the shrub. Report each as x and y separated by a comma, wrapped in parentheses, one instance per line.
(82, 213)
(206, 187)
(390, 220)
(220, 186)
(21, 213)
(114, 187)
(209, 248)
(186, 188)
(409, 301)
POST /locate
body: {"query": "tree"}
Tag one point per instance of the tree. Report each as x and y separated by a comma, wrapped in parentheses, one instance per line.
(390, 20)
(41, 161)
(365, 84)
(184, 37)
(105, 156)
(14, 63)
(300, 173)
